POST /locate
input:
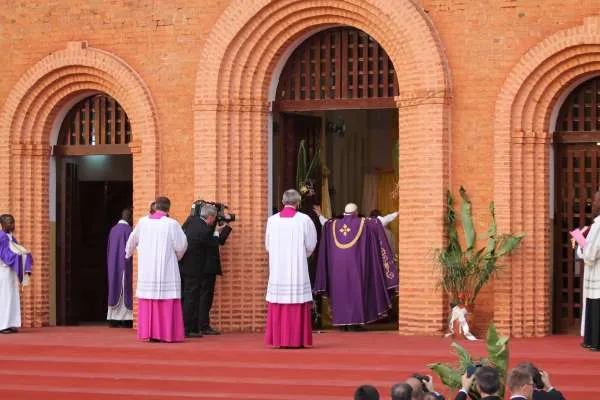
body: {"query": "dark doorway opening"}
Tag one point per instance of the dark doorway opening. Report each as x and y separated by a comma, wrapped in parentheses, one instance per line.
(92, 192)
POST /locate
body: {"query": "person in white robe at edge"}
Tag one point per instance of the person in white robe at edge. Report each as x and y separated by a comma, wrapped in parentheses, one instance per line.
(290, 239)
(160, 242)
(15, 269)
(590, 254)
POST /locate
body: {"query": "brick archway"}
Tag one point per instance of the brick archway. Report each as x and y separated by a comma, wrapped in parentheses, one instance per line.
(522, 146)
(26, 124)
(239, 64)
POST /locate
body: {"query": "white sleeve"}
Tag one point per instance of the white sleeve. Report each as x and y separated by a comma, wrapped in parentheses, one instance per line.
(385, 220)
(310, 236)
(132, 241)
(179, 240)
(267, 234)
(591, 252)
(579, 252)
(322, 219)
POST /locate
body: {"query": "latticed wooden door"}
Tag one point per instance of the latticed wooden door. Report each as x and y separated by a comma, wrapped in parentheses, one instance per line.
(577, 179)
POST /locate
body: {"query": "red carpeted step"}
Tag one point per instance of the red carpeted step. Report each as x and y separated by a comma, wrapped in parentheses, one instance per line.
(99, 363)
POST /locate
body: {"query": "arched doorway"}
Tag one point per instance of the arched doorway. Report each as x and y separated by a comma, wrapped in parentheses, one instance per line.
(335, 95)
(247, 47)
(577, 173)
(94, 172)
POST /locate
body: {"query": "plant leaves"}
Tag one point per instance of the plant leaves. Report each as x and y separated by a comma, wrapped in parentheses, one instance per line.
(498, 353)
(466, 215)
(464, 357)
(301, 165)
(449, 376)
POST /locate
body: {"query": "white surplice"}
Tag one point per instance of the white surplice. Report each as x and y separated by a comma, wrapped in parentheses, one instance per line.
(591, 270)
(10, 301)
(160, 244)
(289, 242)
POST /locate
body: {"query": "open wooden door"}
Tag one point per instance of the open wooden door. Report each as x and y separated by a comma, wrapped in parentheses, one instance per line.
(67, 243)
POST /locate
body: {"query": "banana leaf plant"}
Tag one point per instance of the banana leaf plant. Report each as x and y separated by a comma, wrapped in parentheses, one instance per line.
(306, 169)
(498, 354)
(466, 269)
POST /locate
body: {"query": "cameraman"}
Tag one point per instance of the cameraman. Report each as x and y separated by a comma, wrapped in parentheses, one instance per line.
(200, 267)
(542, 387)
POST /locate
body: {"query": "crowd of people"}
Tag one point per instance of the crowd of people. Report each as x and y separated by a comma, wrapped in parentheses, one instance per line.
(524, 382)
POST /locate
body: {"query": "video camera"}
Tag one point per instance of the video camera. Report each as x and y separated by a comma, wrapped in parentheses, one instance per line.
(423, 379)
(222, 215)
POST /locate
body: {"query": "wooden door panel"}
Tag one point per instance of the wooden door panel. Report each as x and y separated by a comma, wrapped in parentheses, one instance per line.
(68, 240)
(576, 183)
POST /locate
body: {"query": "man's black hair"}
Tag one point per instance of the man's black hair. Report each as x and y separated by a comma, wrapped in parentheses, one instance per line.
(162, 204)
(366, 392)
(488, 380)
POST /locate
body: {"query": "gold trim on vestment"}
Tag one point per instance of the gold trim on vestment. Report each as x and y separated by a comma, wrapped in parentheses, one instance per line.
(351, 243)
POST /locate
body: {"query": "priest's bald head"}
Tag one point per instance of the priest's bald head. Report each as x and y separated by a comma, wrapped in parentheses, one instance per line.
(291, 197)
(351, 209)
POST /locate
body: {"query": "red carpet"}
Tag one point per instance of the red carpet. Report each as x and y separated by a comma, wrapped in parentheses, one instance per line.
(92, 363)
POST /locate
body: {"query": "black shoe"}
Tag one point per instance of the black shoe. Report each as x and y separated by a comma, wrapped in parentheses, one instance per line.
(8, 330)
(585, 346)
(357, 328)
(193, 335)
(152, 340)
(594, 348)
(344, 328)
(210, 331)
(113, 323)
(125, 324)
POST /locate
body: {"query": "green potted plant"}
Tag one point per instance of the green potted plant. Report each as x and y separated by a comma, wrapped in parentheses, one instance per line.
(497, 349)
(465, 268)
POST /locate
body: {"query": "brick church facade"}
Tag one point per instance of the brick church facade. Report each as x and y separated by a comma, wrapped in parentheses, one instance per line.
(501, 97)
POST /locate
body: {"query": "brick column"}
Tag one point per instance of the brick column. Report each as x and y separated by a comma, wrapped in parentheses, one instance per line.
(423, 177)
(29, 205)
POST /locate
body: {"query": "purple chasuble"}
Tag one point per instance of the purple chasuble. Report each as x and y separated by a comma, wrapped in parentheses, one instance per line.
(356, 270)
(13, 260)
(118, 266)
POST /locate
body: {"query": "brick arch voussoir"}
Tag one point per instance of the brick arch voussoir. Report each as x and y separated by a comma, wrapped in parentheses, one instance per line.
(553, 81)
(559, 61)
(541, 120)
(268, 56)
(285, 26)
(419, 31)
(53, 96)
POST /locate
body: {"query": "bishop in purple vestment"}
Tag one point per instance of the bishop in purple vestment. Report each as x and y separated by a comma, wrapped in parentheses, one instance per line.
(120, 271)
(356, 269)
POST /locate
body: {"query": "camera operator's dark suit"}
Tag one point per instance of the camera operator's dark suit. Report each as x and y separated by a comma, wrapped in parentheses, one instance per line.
(199, 269)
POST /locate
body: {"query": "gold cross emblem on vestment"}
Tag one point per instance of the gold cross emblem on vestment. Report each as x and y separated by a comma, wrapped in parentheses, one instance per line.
(344, 230)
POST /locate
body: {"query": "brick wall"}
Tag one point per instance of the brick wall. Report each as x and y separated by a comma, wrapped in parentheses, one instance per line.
(193, 75)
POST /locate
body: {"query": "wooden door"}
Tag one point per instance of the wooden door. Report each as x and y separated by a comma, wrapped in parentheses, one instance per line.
(68, 240)
(577, 181)
(577, 172)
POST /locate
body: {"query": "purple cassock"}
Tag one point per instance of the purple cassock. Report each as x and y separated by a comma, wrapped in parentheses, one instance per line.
(15, 261)
(118, 265)
(356, 270)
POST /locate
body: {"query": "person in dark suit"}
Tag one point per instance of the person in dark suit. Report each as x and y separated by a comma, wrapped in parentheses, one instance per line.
(199, 269)
(543, 389)
(487, 383)
(520, 384)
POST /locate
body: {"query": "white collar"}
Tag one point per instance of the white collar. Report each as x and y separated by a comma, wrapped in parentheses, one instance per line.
(122, 221)
(516, 396)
